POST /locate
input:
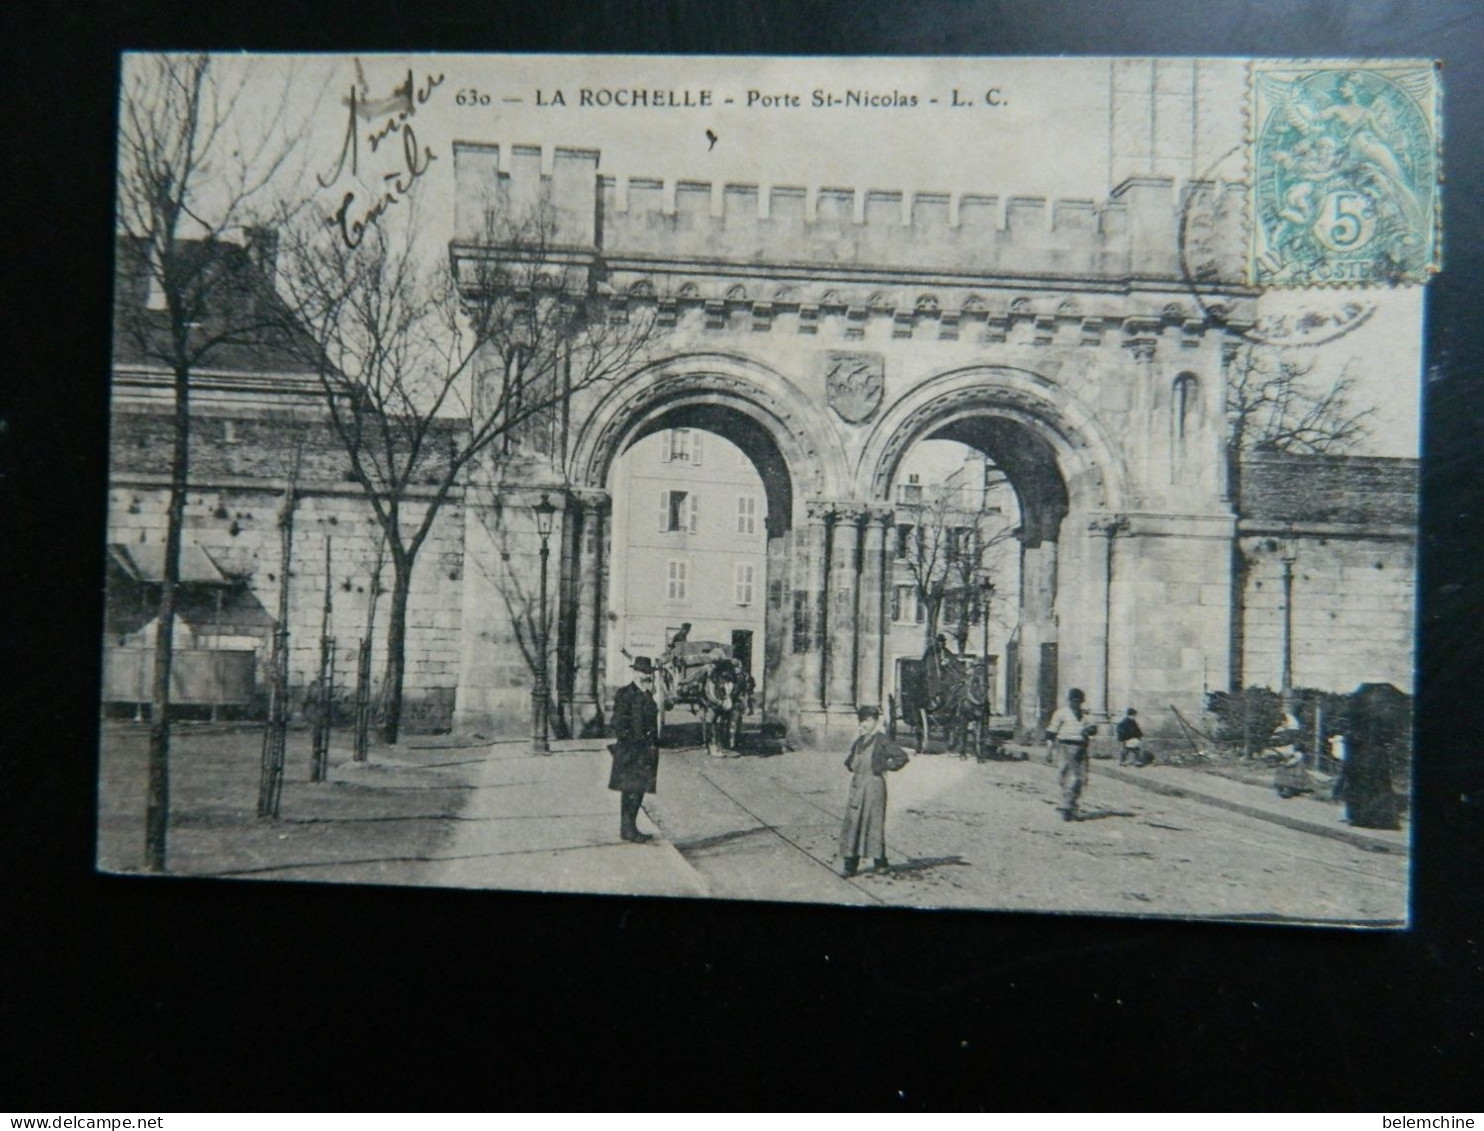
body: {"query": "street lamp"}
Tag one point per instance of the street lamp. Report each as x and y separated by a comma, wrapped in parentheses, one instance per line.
(986, 582)
(1288, 552)
(545, 514)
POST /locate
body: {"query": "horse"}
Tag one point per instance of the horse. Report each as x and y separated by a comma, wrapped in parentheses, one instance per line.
(725, 692)
(955, 695)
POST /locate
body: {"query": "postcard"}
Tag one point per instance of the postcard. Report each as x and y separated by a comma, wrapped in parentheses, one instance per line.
(947, 483)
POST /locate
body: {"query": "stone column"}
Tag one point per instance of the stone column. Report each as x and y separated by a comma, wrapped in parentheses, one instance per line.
(603, 641)
(810, 542)
(873, 608)
(844, 588)
(1038, 584)
(1100, 660)
(776, 688)
(590, 512)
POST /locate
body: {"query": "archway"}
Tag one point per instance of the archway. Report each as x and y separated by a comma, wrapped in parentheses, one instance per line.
(714, 545)
(1067, 482)
(702, 507)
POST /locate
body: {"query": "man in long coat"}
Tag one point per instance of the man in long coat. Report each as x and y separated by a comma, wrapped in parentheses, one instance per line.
(872, 755)
(636, 752)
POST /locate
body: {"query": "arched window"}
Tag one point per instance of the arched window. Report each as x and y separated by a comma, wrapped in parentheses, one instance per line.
(1186, 391)
(1184, 399)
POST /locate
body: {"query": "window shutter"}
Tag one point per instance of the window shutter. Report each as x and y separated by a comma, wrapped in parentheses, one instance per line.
(695, 447)
(743, 587)
(694, 500)
(665, 446)
(746, 514)
(664, 510)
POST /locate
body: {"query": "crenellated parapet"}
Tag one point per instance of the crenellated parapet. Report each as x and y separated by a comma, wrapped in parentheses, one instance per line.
(851, 229)
(1144, 231)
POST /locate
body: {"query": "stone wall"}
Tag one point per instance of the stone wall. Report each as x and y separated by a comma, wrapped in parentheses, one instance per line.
(1349, 524)
(239, 466)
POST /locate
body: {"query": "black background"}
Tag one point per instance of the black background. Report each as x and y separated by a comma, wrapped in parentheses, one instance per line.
(120, 994)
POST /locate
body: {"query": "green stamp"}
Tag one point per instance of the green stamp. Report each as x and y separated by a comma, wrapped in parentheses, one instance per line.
(1344, 174)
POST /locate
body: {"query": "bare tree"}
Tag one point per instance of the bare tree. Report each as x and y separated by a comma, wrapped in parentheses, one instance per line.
(948, 550)
(1274, 406)
(190, 176)
(969, 568)
(425, 371)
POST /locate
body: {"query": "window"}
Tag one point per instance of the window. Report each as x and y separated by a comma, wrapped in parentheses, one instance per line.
(1185, 398)
(742, 584)
(675, 587)
(953, 608)
(903, 549)
(960, 545)
(1184, 395)
(746, 514)
(678, 511)
(681, 445)
(905, 607)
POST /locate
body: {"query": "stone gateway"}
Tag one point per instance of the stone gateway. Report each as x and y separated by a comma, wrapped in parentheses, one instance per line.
(825, 332)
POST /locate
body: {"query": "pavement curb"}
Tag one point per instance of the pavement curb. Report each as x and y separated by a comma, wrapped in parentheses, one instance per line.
(1299, 824)
(654, 809)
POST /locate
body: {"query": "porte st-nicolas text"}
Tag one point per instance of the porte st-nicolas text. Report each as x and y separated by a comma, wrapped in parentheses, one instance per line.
(643, 98)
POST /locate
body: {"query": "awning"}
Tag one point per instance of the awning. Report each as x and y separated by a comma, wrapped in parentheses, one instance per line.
(145, 563)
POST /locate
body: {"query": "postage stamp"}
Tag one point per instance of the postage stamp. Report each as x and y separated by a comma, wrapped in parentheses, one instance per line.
(1344, 173)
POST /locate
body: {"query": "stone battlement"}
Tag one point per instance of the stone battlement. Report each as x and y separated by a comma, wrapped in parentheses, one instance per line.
(1134, 234)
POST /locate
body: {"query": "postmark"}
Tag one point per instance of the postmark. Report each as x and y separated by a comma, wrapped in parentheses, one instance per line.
(1344, 174)
(1324, 315)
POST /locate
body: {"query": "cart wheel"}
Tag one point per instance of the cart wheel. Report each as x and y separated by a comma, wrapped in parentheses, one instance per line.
(922, 729)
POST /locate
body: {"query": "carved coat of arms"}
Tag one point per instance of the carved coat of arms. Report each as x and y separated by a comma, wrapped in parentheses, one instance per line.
(855, 384)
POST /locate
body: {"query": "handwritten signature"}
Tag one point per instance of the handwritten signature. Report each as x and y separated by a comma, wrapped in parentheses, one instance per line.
(391, 115)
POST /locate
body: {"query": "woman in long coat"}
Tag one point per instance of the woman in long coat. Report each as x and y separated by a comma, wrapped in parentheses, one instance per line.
(872, 755)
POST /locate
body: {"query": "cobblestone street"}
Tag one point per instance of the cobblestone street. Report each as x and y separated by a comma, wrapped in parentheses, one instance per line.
(962, 834)
(1166, 841)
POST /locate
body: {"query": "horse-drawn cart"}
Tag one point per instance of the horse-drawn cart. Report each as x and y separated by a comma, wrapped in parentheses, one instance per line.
(705, 676)
(950, 694)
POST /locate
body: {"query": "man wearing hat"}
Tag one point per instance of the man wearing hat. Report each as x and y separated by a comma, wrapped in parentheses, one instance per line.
(872, 755)
(636, 753)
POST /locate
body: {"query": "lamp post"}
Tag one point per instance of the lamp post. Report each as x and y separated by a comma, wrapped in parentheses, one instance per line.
(987, 583)
(1288, 552)
(545, 514)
